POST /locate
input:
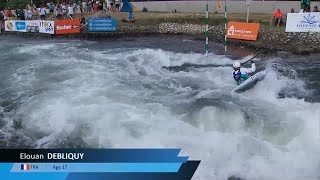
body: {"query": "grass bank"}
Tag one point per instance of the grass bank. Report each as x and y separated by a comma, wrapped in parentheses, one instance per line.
(153, 18)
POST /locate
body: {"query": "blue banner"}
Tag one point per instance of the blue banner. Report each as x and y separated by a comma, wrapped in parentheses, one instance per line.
(95, 164)
(102, 24)
(94, 167)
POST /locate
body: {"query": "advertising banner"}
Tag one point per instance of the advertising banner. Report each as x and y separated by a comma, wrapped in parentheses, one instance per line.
(303, 22)
(102, 24)
(241, 30)
(46, 27)
(33, 26)
(10, 26)
(67, 26)
(21, 26)
(13, 25)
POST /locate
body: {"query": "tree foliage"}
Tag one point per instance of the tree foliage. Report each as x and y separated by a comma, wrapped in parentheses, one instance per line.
(14, 4)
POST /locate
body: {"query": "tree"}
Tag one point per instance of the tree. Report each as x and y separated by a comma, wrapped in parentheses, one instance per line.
(2, 4)
(14, 4)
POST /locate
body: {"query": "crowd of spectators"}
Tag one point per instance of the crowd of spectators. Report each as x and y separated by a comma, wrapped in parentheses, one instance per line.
(60, 10)
(277, 18)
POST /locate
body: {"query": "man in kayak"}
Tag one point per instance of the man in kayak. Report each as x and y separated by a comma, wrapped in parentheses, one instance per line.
(241, 74)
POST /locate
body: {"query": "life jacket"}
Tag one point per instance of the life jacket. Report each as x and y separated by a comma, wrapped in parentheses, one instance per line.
(239, 77)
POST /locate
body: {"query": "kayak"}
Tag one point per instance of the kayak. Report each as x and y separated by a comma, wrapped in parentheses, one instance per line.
(249, 83)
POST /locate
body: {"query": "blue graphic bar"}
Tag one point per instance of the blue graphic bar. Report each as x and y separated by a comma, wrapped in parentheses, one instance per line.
(102, 24)
(94, 167)
(92, 155)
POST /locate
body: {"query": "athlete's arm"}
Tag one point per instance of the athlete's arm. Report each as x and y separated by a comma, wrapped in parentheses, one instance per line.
(249, 70)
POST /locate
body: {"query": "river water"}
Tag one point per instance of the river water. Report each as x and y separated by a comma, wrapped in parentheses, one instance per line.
(117, 94)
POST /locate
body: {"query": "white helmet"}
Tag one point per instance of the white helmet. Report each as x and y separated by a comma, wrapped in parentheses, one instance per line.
(236, 65)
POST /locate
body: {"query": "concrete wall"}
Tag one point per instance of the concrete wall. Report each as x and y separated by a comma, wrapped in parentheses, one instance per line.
(264, 7)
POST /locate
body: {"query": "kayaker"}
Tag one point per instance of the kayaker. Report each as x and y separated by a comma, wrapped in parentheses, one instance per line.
(241, 74)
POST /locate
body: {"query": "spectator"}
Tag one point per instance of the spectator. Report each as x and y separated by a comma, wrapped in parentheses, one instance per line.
(81, 7)
(28, 7)
(292, 10)
(88, 7)
(43, 12)
(70, 11)
(307, 9)
(51, 8)
(29, 14)
(82, 20)
(22, 15)
(75, 7)
(84, 5)
(17, 14)
(131, 17)
(95, 7)
(92, 3)
(59, 12)
(5, 18)
(117, 5)
(35, 12)
(277, 17)
(111, 6)
(64, 10)
(315, 9)
(1, 20)
(9, 14)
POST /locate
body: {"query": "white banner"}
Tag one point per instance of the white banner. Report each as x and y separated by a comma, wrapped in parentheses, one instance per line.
(303, 22)
(10, 26)
(47, 27)
(30, 26)
(33, 26)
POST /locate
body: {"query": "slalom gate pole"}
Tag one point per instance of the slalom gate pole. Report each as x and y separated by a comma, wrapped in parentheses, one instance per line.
(207, 33)
(225, 25)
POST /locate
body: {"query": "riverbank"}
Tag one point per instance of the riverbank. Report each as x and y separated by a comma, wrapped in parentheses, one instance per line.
(152, 24)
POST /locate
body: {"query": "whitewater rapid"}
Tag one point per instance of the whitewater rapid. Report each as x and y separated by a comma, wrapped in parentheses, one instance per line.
(62, 95)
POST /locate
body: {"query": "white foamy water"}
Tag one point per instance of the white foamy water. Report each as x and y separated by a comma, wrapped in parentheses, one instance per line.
(125, 99)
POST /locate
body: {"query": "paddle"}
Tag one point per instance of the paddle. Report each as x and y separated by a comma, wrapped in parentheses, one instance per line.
(249, 59)
(188, 65)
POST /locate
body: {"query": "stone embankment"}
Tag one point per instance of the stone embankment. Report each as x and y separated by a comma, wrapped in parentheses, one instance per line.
(268, 39)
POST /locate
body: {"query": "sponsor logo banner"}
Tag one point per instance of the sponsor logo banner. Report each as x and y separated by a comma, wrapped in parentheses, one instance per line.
(102, 24)
(303, 22)
(32, 26)
(245, 31)
(10, 26)
(14, 25)
(67, 26)
(46, 27)
(21, 26)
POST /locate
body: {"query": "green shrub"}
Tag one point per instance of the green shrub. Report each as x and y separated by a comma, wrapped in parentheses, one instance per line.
(14, 4)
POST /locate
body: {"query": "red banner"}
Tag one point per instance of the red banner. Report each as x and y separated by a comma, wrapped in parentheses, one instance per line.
(67, 26)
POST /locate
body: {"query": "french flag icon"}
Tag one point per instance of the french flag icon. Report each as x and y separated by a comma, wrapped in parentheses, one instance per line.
(25, 167)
